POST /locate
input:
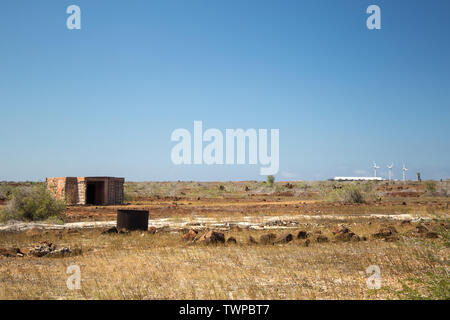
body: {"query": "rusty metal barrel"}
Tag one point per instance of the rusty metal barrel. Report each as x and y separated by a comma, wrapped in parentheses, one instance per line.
(132, 219)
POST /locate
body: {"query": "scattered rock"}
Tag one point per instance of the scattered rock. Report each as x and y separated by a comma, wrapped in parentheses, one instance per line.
(115, 230)
(231, 240)
(267, 238)
(46, 248)
(212, 237)
(190, 236)
(42, 249)
(152, 230)
(405, 223)
(58, 253)
(300, 234)
(110, 230)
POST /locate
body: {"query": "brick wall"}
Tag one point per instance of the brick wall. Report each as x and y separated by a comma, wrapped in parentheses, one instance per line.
(81, 186)
(115, 190)
(73, 190)
(64, 188)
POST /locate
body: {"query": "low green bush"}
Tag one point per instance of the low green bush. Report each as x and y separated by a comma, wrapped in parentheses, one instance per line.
(128, 197)
(430, 187)
(270, 180)
(431, 286)
(33, 203)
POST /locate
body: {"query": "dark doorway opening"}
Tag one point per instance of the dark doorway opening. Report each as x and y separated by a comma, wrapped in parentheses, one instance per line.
(95, 193)
(90, 193)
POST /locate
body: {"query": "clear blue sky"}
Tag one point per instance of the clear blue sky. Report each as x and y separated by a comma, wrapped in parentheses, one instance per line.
(105, 99)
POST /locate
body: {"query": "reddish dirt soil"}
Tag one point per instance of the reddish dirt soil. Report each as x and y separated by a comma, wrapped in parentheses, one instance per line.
(258, 206)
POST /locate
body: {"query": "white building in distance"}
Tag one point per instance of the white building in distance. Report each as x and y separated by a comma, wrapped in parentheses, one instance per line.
(358, 179)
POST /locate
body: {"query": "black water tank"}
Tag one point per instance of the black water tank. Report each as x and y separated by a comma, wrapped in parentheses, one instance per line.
(132, 219)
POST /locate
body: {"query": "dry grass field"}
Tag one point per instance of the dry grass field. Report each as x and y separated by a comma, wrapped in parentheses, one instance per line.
(161, 265)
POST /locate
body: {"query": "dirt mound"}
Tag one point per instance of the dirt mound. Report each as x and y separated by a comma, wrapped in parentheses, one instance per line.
(304, 242)
(212, 237)
(284, 238)
(252, 240)
(431, 235)
(272, 238)
(320, 238)
(231, 240)
(342, 233)
(267, 238)
(421, 228)
(387, 233)
(341, 229)
(426, 231)
(190, 236)
(300, 234)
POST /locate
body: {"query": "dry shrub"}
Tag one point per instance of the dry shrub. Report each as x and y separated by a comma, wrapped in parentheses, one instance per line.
(352, 193)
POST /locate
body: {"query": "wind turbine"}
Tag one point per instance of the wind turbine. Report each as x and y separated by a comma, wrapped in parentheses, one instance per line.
(404, 172)
(375, 167)
(390, 171)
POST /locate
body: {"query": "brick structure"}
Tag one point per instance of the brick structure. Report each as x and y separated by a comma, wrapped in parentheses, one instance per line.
(87, 190)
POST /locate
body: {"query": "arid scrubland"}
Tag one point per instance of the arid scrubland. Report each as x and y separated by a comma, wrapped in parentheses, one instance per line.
(159, 264)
